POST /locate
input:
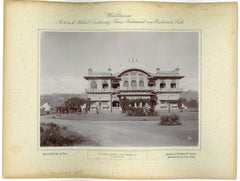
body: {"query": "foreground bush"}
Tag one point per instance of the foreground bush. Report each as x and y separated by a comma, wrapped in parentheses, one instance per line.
(169, 120)
(134, 111)
(53, 135)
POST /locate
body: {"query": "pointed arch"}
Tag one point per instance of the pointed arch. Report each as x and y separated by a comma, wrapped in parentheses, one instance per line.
(94, 85)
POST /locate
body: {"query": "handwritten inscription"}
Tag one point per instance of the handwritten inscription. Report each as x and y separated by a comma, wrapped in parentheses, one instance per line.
(54, 154)
(190, 155)
(128, 155)
(119, 18)
(117, 15)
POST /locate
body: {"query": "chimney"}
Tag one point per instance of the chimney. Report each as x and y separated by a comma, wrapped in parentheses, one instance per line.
(109, 70)
(158, 70)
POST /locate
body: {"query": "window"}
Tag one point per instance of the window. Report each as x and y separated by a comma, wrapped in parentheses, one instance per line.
(94, 85)
(173, 85)
(162, 85)
(133, 73)
(115, 85)
(134, 83)
(125, 83)
(141, 83)
(151, 83)
(105, 85)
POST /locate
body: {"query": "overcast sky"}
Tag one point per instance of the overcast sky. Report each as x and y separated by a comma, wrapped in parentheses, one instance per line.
(66, 56)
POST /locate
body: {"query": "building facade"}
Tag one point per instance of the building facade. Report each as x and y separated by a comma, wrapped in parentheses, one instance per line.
(105, 89)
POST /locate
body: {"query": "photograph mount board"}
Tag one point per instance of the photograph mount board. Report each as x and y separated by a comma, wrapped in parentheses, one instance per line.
(126, 145)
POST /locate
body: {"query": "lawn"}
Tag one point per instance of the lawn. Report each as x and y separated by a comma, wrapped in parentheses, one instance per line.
(118, 116)
(116, 129)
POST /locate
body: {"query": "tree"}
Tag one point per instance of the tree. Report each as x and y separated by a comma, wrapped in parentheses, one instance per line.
(179, 103)
(193, 103)
(88, 105)
(123, 104)
(74, 103)
(152, 102)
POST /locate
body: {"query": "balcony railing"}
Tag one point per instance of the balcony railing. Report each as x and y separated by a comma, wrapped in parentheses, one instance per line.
(133, 89)
(169, 90)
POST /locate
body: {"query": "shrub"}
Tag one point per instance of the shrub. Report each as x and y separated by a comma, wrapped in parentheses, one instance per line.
(169, 120)
(51, 136)
(134, 111)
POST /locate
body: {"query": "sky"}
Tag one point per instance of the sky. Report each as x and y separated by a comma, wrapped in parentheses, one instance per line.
(66, 56)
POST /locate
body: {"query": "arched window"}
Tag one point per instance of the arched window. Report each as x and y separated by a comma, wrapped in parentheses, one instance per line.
(125, 83)
(173, 85)
(94, 85)
(141, 83)
(133, 73)
(151, 83)
(162, 85)
(133, 83)
(105, 85)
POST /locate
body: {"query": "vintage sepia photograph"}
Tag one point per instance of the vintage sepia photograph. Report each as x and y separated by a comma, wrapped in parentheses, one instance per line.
(136, 89)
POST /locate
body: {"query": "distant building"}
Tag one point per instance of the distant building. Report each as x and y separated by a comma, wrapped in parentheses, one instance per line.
(46, 108)
(133, 82)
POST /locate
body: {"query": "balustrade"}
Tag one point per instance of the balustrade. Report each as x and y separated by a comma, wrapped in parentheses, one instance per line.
(134, 89)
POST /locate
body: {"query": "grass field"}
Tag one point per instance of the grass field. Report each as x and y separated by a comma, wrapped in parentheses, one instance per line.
(116, 115)
(116, 129)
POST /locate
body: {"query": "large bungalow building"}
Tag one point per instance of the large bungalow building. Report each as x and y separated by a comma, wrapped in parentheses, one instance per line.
(133, 82)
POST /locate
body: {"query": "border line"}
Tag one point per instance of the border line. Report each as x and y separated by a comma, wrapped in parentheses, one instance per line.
(130, 148)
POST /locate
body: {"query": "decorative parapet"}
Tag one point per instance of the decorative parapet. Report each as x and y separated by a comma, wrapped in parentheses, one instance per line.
(133, 89)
